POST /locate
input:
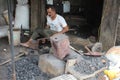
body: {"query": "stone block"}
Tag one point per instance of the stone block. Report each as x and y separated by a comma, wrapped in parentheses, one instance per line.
(51, 65)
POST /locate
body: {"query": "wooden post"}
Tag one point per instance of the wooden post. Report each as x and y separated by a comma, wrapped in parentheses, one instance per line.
(118, 30)
(108, 23)
(34, 14)
(37, 14)
(42, 14)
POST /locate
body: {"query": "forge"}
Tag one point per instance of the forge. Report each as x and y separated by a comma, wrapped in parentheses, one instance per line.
(28, 68)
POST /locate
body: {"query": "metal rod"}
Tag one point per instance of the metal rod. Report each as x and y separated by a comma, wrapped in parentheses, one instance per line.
(11, 39)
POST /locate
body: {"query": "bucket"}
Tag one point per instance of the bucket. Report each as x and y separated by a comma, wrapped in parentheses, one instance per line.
(16, 37)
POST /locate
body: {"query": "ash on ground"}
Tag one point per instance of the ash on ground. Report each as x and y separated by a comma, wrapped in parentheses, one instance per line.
(88, 65)
(27, 69)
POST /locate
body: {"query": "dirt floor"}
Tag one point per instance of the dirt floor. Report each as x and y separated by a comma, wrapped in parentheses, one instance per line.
(3, 56)
(31, 59)
(26, 65)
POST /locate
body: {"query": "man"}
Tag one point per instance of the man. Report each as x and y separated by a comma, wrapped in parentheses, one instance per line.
(56, 24)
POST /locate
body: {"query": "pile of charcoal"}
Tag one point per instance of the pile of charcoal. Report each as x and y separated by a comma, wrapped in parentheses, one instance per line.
(88, 64)
(1, 59)
(27, 69)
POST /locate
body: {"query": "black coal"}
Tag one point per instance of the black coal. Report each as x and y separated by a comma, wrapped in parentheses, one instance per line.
(88, 65)
(27, 69)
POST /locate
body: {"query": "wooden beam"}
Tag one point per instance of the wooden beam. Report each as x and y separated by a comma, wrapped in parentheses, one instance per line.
(108, 23)
(38, 14)
(42, 13)
(118, 30)
(34, 14)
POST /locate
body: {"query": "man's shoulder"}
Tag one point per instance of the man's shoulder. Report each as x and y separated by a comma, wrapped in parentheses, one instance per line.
(59, 16)
(48, 16)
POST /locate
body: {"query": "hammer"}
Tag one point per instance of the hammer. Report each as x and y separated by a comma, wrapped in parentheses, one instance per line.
(90, 53)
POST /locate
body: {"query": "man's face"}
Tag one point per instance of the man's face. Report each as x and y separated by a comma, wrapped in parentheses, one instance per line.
(51, 13)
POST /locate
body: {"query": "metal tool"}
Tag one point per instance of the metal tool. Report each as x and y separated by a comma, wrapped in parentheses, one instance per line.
(90, 53)
(75, 50)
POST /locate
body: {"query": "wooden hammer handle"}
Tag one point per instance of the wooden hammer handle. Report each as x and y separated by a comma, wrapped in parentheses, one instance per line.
(88, 50)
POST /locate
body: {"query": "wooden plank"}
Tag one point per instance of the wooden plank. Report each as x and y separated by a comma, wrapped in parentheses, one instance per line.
(108, 23)
(118, 30)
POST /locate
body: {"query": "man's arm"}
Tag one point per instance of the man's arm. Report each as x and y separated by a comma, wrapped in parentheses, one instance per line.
(65, 29)
(47, 26)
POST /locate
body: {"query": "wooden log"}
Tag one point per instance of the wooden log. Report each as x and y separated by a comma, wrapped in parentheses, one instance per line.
(108, 23)
(34, 14)
(118, 30)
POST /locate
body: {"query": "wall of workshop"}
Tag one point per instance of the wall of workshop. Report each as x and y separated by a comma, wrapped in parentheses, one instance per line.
(3, 7)
(76, 5)
(76, 2)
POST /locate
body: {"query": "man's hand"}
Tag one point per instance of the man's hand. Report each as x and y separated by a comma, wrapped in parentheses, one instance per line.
(47, 27)
(65, 29)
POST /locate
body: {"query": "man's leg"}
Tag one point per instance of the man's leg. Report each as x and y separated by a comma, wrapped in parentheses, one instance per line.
(46, 33)
(33, 37)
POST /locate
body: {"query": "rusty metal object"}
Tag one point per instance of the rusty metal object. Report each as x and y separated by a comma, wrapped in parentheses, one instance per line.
(90, 53)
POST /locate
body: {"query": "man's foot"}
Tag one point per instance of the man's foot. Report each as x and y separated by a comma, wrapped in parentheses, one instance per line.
(24, 44)
(30, 44)
(43, 40)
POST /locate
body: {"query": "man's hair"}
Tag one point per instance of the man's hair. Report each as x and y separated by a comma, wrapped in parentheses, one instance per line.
(51, 6)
